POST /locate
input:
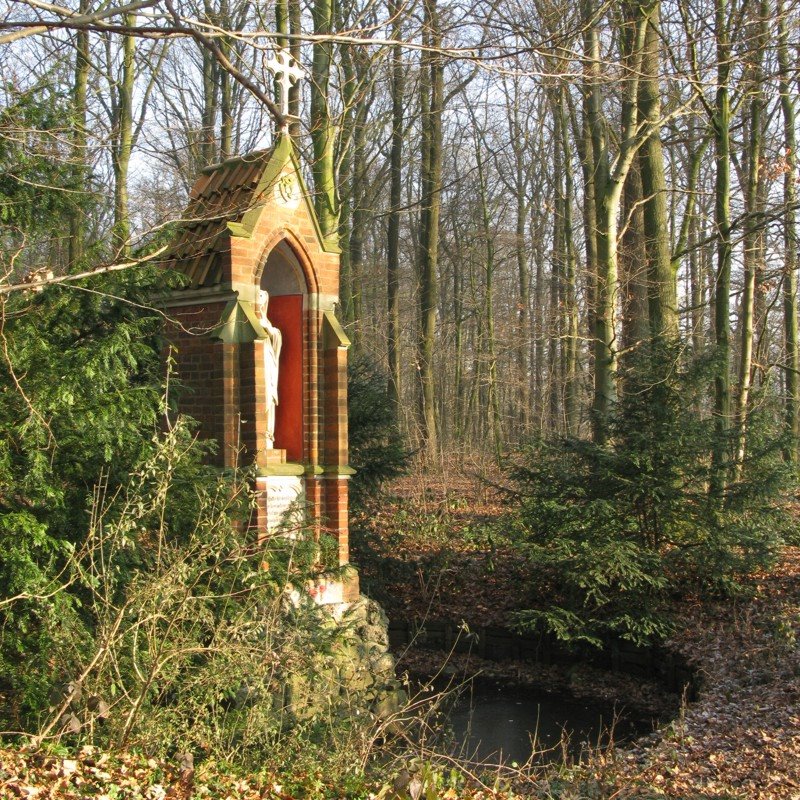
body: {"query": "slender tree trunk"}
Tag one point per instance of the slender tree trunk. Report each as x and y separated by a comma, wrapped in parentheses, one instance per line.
(295, 49)
(583, 138)
(359, 219)
(347, 184)
(208, 140)
(489, 253)
(608, 186)
(538, 382)
(79, 138)
(633, 265)
(697, 284)
(722, 223)
(225, 87)
(523, 333)
(282, 31)
(753, 233)
(791, 369)
(661, 278)
(605, 275)
(431, 186)
(555, 316)
(688, 240)
(395, 201)
(458, 336)
(322, 127)
(123, 144)
(345, 232)
(570, 326)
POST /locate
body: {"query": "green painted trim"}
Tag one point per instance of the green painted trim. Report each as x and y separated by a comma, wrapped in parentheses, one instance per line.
(329, 245)
(239, 231)
(313, 470)
(238, 324)
(341, 471)
(280, 155)
(281, 470)
(333, 334)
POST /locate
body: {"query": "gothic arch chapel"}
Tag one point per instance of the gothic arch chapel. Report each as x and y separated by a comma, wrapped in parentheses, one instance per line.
(257, 344)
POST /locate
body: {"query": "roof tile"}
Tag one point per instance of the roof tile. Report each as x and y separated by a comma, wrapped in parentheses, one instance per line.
(222, 193)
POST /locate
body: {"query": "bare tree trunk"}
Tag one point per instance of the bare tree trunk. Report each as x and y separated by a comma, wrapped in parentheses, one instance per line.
(661, 278)
(555, 317)
(791, 369)
(225, 88)
(689, 242)
(295, 48)
(431, 185)
(722, 223)
(322, 128)
(569, 325)
(538, 377)
(753, 233)
(523, 333)
(123, 143)
(395, 200)
(208, 139)
(608, 186)
(347, 184)
(79, 138)
(633, 265)
(359, 212)
(583, 139)
(489, 255)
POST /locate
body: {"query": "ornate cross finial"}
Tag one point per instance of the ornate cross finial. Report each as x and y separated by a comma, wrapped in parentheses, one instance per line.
(282, 64)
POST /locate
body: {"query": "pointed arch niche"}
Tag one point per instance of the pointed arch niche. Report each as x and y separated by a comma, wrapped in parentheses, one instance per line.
(284, 279)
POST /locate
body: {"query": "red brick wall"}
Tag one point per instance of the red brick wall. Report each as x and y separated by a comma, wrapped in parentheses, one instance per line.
(199, 382)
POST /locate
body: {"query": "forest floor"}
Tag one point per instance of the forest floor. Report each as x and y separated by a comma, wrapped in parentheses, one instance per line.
(739, 739)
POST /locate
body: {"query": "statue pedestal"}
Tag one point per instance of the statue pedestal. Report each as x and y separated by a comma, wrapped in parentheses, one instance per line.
(281, 493)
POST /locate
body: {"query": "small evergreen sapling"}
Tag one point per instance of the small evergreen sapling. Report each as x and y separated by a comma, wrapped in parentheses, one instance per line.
(616, 529)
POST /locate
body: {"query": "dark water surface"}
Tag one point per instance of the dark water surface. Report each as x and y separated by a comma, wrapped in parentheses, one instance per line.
(490, 723)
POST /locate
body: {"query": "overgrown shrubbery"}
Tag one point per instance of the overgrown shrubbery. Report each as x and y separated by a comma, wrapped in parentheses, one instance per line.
(80, 399)
(616, 530)
(136, 609)
(184, 637)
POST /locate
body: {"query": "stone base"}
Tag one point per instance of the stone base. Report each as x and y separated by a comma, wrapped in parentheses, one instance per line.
(267, 459)
(357, 674)
(327, 591)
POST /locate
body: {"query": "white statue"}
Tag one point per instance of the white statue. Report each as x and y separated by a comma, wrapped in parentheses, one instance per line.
(272, 352)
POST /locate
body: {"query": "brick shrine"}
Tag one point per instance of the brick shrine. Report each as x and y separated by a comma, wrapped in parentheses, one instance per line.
(250, 226)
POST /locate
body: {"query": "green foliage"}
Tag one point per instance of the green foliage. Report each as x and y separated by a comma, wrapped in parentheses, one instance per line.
(377, 451)
(614, 530)
(39, 186)
(81, 379)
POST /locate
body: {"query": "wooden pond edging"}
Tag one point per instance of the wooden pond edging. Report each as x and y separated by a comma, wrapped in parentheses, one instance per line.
(670, 669)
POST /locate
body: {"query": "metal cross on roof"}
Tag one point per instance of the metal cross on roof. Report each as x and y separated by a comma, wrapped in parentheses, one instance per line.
(282, 64)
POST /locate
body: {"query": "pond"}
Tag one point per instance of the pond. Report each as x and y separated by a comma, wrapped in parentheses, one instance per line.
(493, 723)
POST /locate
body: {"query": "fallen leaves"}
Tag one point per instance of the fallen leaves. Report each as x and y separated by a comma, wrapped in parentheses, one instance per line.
(741, 738)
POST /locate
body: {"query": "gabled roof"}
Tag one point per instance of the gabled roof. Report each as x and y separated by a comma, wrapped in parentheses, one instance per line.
(222, 194)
